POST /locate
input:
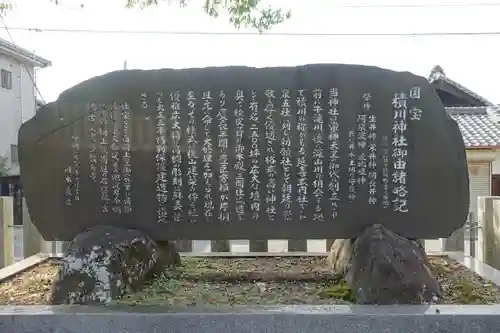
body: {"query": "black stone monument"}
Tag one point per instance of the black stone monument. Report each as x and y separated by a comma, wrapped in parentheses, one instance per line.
(316, 151)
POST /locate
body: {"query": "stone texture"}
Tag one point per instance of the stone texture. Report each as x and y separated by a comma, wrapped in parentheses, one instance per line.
(436, 166)
(105, 262)
(289, 319)
(340, 255)
(385, 268)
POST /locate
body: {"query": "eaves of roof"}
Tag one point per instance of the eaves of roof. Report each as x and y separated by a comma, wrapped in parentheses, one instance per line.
(493, 108)
(22, 54)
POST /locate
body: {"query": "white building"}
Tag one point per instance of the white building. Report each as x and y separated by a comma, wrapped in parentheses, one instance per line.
(18, 101)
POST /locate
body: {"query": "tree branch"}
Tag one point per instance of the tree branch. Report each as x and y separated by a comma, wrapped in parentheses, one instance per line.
(242, 13)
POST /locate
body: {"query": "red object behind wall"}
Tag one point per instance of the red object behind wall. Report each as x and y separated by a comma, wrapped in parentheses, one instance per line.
(495, 185)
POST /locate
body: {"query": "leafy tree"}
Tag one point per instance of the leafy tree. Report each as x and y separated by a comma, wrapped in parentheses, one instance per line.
(242, 13)
(4, 6)
(3, 166)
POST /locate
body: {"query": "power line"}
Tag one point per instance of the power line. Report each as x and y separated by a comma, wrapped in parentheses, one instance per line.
(430, 5)
(241, 33)
(82, 7)
(27, 71)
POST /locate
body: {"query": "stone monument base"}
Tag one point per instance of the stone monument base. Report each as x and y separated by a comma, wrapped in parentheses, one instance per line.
(105, 262)
(384, 268)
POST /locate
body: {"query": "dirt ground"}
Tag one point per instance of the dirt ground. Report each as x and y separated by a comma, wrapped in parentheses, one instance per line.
(271, 280)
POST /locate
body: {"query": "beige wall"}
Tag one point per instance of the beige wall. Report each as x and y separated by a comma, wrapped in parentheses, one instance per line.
(496, 164)
(480, 165)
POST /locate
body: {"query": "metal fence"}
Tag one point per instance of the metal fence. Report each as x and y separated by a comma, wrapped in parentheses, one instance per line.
(465, 239)
(310, 246)
(264, 247)
(471, 233)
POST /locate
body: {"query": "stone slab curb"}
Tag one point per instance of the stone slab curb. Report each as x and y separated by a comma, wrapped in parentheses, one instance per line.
(23, 265)
(286, 319)
(289, 319)
(480, 268)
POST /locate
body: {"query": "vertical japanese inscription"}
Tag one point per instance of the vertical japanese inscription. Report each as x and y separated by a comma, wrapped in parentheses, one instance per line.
(223, 138)
(175, 105)
(254, 154)
(270, 157)
(399, 152)
(302, 196)
(318, 154)
(115, 161)
(68, 186)
(192, 155)
(72, 172)
(103, 158)
(385, 172)
(207, 150)
(76, 166)
(239, 168)
(333, 162)
(415, 112)
(286, 154)
(361, 135)
(126, 160)
(372, 151)
(351, 170)
(92, 142)
(161, 161)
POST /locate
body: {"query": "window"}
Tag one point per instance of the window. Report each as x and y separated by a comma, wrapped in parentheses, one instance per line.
(14, 156)
(6, 79)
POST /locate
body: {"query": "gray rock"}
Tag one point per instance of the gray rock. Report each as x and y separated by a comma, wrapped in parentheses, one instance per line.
(385, 268)
(340, 255)
(105, 262)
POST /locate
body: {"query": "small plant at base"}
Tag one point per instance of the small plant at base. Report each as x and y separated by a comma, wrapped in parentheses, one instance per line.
(341, 290)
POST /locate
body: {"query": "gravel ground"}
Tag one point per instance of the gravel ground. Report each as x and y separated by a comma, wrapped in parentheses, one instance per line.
(278, 280)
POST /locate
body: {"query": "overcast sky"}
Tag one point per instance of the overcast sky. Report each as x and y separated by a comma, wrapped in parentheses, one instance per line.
(470, 60)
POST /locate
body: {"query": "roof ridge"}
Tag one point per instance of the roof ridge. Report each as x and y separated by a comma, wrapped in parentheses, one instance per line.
(441, 76)
(472, 113)
(466, 107)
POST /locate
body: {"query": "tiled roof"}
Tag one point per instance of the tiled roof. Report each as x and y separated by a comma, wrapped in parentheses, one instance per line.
(480, 126)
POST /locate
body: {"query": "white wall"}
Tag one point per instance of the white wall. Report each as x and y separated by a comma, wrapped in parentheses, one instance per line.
(16, 105)
(496, 166)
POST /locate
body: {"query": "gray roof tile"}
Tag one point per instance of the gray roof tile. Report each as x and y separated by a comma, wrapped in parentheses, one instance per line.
(479, 128)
